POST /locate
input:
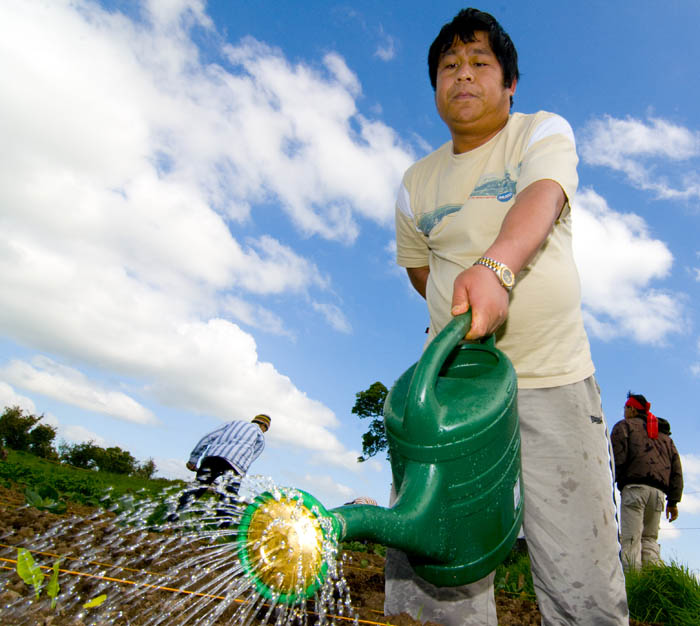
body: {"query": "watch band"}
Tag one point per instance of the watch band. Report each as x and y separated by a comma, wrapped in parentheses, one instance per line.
(504, 273)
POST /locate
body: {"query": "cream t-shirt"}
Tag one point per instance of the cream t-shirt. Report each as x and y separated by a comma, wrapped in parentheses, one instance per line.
(449, 211)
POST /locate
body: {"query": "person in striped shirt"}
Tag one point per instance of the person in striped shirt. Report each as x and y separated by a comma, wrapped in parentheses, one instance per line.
(230, 449)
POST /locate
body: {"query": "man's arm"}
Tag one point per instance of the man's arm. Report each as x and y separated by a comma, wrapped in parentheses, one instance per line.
(676, 484)
(419, 278)
(618, 439)
(201, 446)
(525, 228)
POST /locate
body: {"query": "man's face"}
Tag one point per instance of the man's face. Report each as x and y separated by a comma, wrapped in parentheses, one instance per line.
(469, 92)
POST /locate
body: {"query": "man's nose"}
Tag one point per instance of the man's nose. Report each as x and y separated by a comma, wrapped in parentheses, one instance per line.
(464, 72)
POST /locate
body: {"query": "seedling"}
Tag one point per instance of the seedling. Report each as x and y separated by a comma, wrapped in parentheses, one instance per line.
(52, 588)
(29, 571)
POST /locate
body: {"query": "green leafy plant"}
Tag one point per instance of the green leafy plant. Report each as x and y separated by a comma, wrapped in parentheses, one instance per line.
(29, 571)
(45, 498)
(364, 546)
(52, 588)
(513, 576)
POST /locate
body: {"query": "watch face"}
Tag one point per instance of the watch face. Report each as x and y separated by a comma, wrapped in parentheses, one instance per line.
(507, 277)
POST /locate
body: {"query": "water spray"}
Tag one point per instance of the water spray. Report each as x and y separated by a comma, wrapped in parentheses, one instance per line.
(454, 443)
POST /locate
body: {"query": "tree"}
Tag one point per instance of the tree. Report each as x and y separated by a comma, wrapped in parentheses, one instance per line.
(15, 427)
(21, 431)
(82, 455)
(115, 460)
(370, 403)
(146, 469)
(88, 455)
(41, 441)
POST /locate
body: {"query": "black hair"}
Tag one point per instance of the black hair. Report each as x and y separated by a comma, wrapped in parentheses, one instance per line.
(664, 426)
(639, 398)
(642, 400)
(464, 25)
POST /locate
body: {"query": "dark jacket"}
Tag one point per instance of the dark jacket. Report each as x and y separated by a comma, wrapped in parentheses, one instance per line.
(640, 460)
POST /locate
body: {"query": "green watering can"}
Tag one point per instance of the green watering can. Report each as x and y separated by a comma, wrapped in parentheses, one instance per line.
(454, 442)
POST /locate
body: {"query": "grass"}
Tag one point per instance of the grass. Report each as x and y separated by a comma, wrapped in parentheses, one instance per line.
(656, 594)
(24, 471)
(364, 546)
(513, 576)
(665, 594)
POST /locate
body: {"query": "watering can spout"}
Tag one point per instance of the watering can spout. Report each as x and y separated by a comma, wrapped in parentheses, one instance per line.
(410, 524)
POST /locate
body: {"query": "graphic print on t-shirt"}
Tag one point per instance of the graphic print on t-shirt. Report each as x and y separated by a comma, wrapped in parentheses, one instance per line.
(430, 220)
(491, 186)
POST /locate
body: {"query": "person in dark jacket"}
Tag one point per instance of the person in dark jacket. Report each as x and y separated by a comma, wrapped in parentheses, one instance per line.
(647, 468)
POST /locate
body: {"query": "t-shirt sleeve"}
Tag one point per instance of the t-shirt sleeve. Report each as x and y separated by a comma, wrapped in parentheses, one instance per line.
(551, 154)
(411, 246)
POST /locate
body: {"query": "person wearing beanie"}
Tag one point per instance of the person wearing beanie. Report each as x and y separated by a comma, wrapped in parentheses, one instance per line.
(230, 449)
(647, 469)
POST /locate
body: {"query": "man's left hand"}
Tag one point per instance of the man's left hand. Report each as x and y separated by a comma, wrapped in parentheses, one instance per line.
(671, 513)
(478, 288)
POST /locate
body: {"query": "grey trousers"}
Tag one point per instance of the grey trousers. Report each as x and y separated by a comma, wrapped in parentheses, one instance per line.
(569, 523)
(640, 513)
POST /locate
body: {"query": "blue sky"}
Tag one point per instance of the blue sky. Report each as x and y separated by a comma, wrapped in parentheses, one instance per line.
(196, 216)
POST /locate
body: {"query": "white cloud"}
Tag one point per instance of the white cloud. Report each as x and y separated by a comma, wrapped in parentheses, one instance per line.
(79, 434)
(386, 50)
(334, 316)
(68, 385)
(299, 123)
(639, 148)
(119, 242)
(173, 469)
(255, 316)
(324, 484)
(691, 469)
(618, 262)
(10, 398)
(691, 478)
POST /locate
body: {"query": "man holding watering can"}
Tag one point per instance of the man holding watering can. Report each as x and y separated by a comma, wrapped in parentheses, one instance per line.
(484, 223)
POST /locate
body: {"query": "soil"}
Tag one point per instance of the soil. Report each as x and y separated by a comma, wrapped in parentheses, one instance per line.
(21, 526)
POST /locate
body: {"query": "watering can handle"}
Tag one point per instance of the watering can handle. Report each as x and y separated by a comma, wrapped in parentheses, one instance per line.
(421, 393)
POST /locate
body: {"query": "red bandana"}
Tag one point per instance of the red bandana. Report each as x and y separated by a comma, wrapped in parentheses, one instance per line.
(635, 404)
(652, 421)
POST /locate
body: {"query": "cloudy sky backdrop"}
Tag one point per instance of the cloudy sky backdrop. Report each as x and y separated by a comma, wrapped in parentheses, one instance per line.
(196, 216)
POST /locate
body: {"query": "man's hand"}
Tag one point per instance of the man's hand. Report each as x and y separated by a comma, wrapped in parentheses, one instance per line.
(671, 513)
(478, 288)
(191, 466)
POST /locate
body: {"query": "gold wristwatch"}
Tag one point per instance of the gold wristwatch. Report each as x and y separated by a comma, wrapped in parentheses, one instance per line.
(504, 273)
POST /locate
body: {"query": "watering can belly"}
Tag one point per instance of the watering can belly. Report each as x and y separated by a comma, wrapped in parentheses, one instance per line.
(456, 411)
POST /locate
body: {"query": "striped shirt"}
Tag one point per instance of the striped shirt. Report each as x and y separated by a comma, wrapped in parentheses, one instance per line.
(240, 443)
